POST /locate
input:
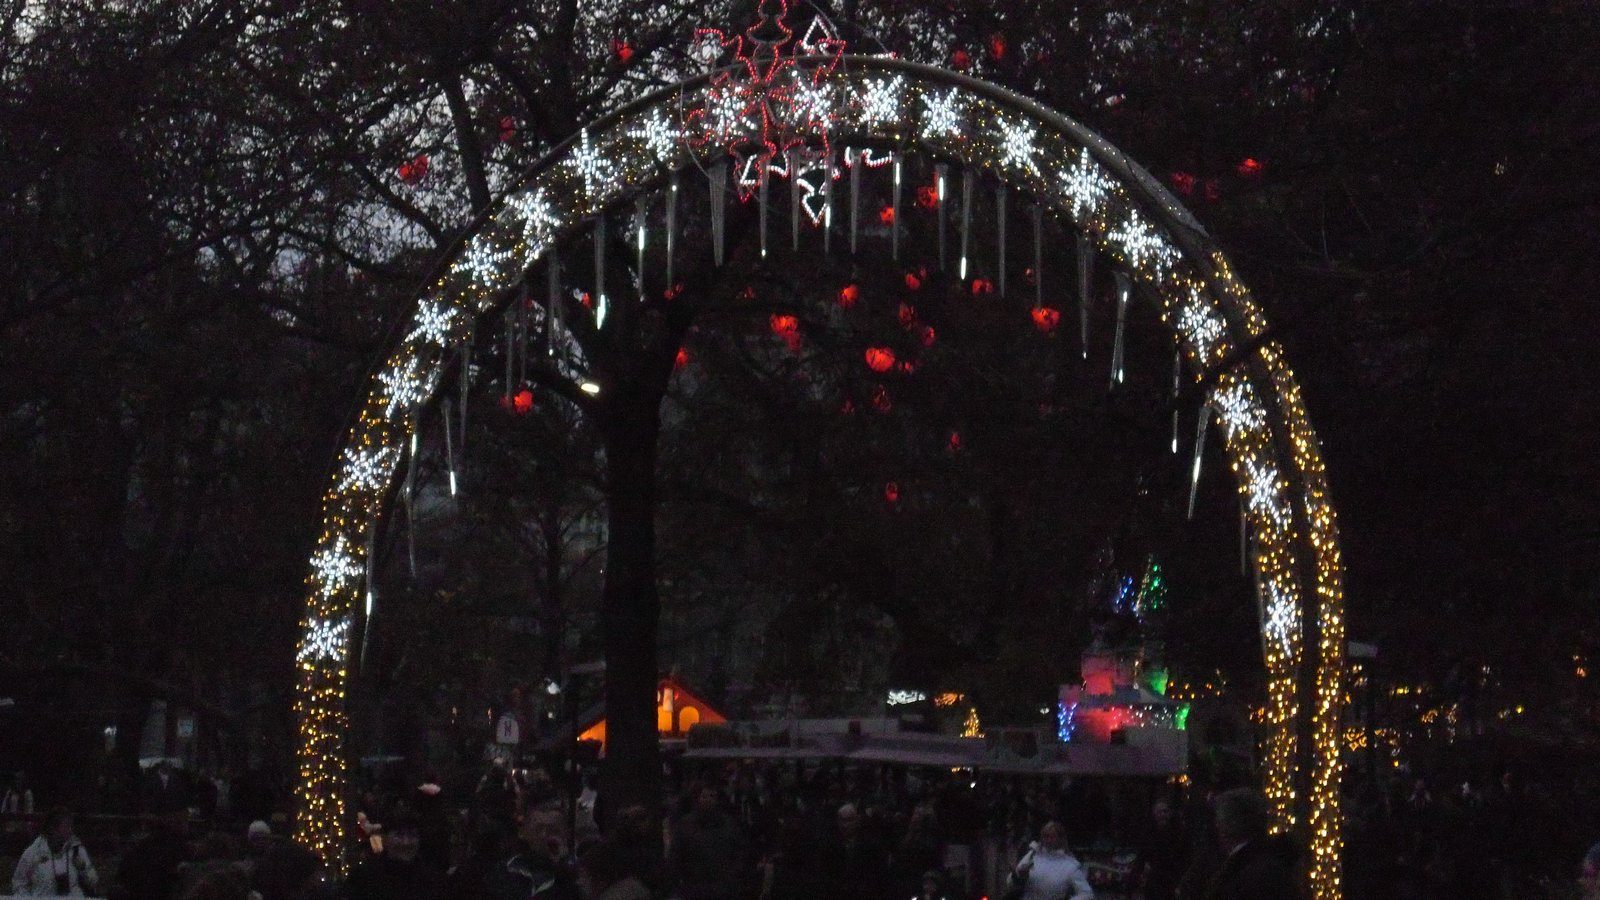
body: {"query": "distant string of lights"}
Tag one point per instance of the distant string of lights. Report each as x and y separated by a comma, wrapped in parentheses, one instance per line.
(786, 114)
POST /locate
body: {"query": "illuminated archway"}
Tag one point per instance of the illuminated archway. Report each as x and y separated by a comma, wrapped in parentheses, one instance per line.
(774, 111)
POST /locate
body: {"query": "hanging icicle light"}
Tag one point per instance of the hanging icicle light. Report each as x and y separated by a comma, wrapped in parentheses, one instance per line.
(1199, 454)
(1124, 292)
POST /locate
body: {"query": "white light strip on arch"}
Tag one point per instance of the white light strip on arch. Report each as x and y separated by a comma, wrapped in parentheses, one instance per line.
(889, 103)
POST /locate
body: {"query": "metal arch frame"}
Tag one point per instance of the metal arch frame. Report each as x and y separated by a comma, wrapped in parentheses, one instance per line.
(1307, 785)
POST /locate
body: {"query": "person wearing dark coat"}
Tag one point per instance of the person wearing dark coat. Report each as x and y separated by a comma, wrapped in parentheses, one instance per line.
(149, 870)
(708, 850)
(1163, 852)
(397, 873)
(534, 869)
(1257, 866)
(854, 862)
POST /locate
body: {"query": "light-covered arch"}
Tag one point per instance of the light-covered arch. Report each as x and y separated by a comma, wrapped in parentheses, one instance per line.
(812, 104)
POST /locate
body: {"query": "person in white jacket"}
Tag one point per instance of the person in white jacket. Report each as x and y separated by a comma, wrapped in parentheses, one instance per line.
(1048, 871)
(56, 863)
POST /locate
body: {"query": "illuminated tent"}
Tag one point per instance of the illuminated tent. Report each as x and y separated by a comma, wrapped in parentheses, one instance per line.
(677, 711)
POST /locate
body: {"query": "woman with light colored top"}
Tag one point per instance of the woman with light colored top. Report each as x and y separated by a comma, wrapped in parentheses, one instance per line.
(1048, 871)
(55, 865)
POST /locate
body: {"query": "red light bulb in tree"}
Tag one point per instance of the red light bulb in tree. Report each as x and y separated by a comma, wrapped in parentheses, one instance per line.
(982, 287)
(955, 442)
(927, 335)
(788, 328)
(508, 128)
(1250, 167)
(997, 45)
(681, 360)
(848, 295)
(907, 315)
(913, 281)
(622, 50)
(522, 402)
(879, 359)
(891, 492)
(1046, 319)
(414, 170)
(886, 215)
(960, 59)
(928, 196)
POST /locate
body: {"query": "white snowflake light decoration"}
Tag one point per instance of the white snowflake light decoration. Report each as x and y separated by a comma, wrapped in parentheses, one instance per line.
(811, 102)
(1142, 245)
(367, 469)
(658, 134)
(727, 113)
(1265, 490)
(1281, 625)
(538, 217)
(324, 640)
(1237, 407)
(595, 168)
(941, 114)
(433, 323)
(879, 100)
(1017, 147)
(404, 385)
(1201, 324)
(334, 567)
(483, 262)
(1086, 185)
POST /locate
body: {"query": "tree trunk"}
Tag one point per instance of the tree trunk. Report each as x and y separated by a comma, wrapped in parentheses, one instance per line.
(630, 605)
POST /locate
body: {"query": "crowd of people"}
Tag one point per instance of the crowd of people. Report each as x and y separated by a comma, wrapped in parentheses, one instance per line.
(792, 831)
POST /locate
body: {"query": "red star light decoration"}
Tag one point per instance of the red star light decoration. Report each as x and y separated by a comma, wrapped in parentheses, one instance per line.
(764, 102)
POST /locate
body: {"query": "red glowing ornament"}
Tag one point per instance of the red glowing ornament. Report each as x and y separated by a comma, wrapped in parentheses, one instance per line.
(415, 170)
(1183, 182)
(961, 59)
(891, 492)
(955, 442)
(1046, 319)
(879, 359)
(788, 328)
(1250, 167)
(981, 287)
(926, 335)
(622, 49)
(672, 293)
(848, 295)
(997, 45)
(508, 128)
(906, 367)
(913, 281)
(586, 300)
(928, 196)
(522, 402)
(907, 314)
(886, 215)
(681, 360)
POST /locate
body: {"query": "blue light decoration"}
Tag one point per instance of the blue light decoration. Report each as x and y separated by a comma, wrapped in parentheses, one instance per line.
(1066, 715)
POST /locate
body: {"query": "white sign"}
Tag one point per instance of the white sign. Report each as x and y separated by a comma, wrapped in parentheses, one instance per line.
(507, 731)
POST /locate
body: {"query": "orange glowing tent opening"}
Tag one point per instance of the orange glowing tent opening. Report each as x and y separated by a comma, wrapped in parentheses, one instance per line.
(677, 711)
